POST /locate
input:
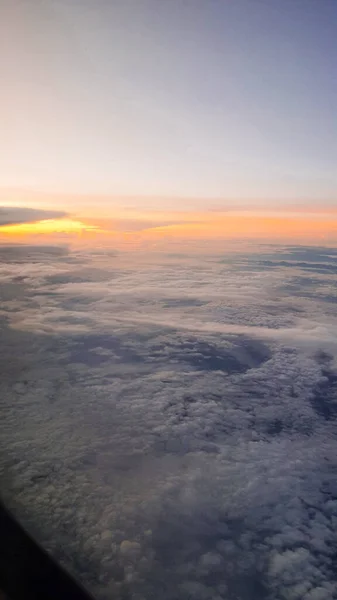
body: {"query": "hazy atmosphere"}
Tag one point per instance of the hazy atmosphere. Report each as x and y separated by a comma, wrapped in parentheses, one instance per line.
(168, 298)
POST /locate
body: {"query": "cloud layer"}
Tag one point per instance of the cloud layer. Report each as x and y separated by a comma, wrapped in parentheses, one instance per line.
(169, 423)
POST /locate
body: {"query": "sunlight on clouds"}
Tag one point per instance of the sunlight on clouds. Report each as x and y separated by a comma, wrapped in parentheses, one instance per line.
(253, 227)
(48, 226)
(194, 228)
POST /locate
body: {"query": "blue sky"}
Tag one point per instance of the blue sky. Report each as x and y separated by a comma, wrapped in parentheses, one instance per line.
(207, 99)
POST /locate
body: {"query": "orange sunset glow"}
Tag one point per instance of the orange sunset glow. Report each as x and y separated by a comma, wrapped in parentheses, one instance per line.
(253, 227)
(193, 226)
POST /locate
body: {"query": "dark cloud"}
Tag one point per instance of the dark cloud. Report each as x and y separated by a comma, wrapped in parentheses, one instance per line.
(179, 302)
(316, 267)
(310, 253)
(169, 431)
(14, 216)
(324, 400)
(14, 253)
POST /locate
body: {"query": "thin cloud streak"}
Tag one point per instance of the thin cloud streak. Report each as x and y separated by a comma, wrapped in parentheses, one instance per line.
(10, 215)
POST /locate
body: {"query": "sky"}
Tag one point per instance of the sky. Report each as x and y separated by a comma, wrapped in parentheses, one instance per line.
(146, 105)
(168, 322)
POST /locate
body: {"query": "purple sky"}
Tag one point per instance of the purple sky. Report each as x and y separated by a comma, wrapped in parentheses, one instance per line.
(232, 99)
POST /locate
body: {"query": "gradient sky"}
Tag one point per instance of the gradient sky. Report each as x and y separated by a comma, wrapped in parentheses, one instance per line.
(234, 100)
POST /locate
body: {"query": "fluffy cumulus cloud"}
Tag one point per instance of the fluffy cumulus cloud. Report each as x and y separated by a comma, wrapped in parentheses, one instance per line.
(169, 422)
